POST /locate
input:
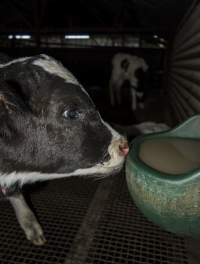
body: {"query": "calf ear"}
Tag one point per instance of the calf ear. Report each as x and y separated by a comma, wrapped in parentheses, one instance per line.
(12, 97)
(6, 127)
(22, 85)
(17, 98)
(12, 104)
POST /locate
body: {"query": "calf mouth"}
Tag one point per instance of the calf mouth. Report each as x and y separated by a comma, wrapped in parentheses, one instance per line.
(114, 157)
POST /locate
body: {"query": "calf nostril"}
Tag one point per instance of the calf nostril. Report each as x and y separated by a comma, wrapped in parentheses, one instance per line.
(124, 149)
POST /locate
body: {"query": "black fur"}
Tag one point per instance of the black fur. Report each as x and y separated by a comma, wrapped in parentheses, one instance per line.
(4, 58)
(125, 64)
(34, 134)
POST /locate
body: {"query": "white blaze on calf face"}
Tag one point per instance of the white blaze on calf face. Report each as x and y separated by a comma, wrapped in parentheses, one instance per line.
(49, 65)
(14, 61)
(53, 67)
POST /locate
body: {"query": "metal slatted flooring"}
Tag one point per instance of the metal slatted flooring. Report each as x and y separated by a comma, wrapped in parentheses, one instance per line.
(87, 221)
(125, 236)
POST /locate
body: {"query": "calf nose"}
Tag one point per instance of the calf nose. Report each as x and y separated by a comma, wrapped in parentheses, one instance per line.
(123, 147)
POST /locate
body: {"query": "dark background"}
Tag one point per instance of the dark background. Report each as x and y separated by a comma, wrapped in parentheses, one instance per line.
(91, 64)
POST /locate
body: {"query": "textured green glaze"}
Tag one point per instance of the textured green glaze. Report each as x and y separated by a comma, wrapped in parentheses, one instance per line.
(173, 202)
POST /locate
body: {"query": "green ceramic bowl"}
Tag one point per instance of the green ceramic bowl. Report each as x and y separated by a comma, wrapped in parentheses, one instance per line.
(172, 202)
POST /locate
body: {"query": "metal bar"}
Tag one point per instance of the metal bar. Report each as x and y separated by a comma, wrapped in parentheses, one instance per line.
(187, 15)
(193, 64)
(176, 105)
(178, 118)
(191, 104)
(179, 104)
(91, 30)
(191, 43)
(186, 40)
(190, 86)
(189, 54)
(191, 26)
(183, 102)
(81, 244)
(191, 75)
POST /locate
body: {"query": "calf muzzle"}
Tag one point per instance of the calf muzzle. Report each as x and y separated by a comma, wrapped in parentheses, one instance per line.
(123, 148)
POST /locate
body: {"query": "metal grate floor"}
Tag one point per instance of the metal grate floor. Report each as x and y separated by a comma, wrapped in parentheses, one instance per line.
(87, 221)
(60, 207)
(125, 236)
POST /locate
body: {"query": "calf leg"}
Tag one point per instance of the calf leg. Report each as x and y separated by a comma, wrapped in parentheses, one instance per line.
(111, 90)
(134, 99)
(140, 95)
(27, 220)
(115, 91)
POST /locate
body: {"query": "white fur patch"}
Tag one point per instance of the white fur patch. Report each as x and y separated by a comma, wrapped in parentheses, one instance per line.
(54, 67)
(14, 61)
(49, 65)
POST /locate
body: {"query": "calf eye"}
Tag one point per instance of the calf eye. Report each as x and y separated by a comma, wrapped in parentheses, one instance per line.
(71, 114)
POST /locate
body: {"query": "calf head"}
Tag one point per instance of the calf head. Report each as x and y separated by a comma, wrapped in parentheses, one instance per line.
(50, 128)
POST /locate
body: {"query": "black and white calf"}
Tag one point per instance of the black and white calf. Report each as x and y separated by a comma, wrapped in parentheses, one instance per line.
(124, 67)
(49, 128)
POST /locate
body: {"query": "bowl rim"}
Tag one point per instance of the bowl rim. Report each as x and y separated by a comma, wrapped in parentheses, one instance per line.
(133, 157)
